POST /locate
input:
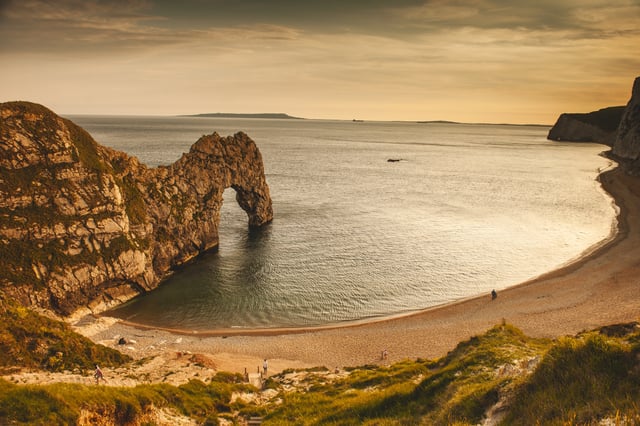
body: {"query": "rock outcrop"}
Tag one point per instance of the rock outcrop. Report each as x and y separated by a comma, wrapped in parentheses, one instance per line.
(85, 225)
(627, 144)
(597, 126)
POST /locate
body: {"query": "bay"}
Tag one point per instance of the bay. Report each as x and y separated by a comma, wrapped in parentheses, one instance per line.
(467, 209)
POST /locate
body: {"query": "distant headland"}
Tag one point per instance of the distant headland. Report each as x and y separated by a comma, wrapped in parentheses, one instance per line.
(596, 126)
(270, 115)
(617, 127)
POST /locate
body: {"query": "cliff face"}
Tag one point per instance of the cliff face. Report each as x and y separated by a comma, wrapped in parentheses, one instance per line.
(85, 225)
(627, 144)
(597, 126)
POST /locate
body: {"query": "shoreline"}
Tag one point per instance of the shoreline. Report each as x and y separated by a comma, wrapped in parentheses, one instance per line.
(563, 301)
(618, 231)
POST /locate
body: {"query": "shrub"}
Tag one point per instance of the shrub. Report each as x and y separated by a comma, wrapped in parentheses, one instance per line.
(579, 380)
(31, 340)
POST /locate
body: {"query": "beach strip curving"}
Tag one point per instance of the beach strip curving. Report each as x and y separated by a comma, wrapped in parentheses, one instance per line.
(599, 288)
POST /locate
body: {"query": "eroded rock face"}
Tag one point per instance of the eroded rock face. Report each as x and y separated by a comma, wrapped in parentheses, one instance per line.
(85, 225)
(627, 144)
(597, 126)
(184, 200)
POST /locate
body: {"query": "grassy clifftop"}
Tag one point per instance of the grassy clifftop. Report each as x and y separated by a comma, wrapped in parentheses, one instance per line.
(502, 375)
(32, 341)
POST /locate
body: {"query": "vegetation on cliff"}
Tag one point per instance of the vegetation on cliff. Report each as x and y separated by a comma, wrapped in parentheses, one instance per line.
(501, 375)
(62, 215)
(32, 341)
(84, 225)
(583, 379)
(66, 404)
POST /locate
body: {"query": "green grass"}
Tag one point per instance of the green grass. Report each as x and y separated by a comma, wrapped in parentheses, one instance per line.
(134, 204)
(61, 403)
(134, 199)
(572, 381)
(87, 149)
(42, 181)
(19, 257)
(582, 379)
(30, 340)
(458, 388)
(578, 380)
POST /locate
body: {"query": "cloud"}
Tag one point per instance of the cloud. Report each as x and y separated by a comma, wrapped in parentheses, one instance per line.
(86, 11)
(551, 15)
(399, 59)
(609, 20)
(78, 25)
(96, 27)
(114, 27)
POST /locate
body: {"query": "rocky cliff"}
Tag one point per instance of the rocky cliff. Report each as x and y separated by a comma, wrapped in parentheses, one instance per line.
(85, 225)
(597, 126)
(627, 144)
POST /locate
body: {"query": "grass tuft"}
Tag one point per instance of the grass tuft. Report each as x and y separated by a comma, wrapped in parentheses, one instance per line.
(31, 340)
(582, 379)
(574, 380)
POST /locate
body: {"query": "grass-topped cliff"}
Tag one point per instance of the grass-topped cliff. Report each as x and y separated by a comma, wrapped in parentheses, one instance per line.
(501, 376)
(29, 340)
(68, 404)
(596, 126)
(82, 225)
(66, 226)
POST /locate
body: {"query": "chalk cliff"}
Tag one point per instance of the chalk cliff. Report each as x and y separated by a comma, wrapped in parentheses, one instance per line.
(627, 144)
(85, 225)
(597, 126)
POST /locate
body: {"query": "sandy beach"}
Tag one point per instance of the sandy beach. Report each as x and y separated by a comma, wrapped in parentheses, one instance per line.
(601, 287)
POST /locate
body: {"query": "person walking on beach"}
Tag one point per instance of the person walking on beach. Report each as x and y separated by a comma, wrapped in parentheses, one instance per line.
(265, 366)
(98, 375)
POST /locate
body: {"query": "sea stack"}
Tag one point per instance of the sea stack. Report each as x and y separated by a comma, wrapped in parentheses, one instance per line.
(83, 225)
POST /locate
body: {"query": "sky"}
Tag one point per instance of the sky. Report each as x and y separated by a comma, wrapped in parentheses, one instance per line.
(498, 61)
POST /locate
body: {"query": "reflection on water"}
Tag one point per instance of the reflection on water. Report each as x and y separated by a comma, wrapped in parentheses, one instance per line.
(469, 209)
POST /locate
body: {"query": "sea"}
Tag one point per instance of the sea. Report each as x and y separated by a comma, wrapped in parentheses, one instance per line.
(465, 209)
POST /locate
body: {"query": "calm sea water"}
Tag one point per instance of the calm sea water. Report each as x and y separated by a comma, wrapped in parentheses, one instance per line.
(469, 208)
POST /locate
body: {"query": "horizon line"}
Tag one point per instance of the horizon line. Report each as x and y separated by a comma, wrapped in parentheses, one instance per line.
(233, 115)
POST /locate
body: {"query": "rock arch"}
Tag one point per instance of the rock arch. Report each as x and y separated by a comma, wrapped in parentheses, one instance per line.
(108, 227)
(198, 180)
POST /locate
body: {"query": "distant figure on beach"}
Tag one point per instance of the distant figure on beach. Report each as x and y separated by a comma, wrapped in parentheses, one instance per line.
(98, 375)
(385, 354)
(493, 295)
(265, 365)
